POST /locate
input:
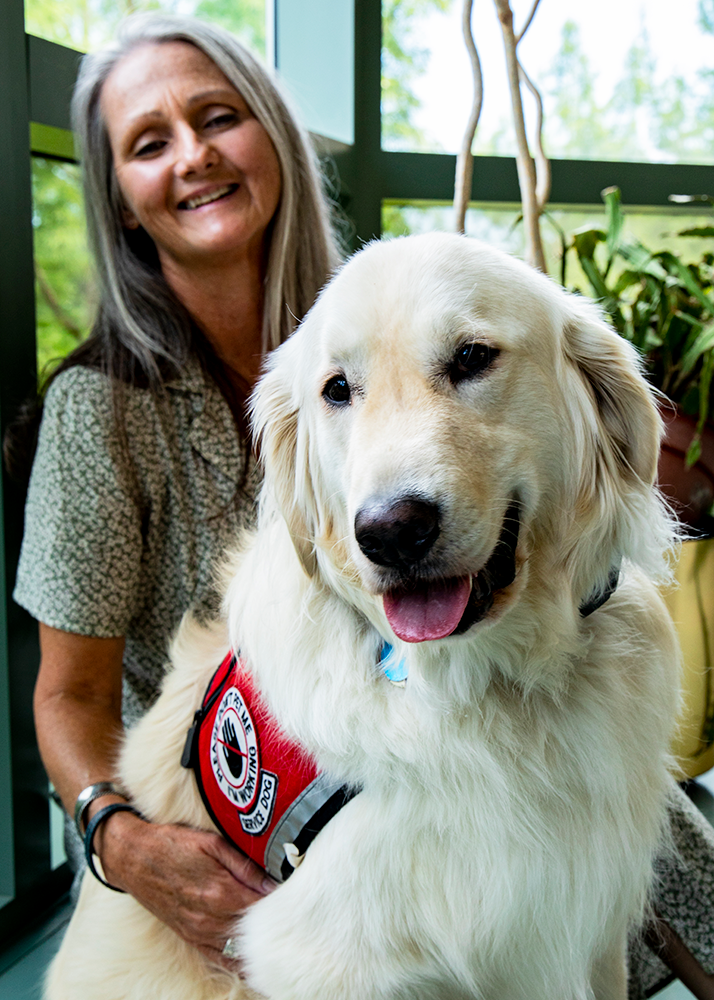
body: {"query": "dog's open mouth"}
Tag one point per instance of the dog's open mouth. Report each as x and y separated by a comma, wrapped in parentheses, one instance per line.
(434, 609)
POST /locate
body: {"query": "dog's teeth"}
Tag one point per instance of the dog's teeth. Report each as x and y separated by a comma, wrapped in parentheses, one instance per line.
(294, 856)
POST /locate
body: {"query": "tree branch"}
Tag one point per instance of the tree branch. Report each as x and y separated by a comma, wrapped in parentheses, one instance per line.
(527, 25)
(542, 163)
(524, 162)
(465, 160)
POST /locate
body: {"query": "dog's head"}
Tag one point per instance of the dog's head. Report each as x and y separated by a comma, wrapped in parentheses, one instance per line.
(449, 432)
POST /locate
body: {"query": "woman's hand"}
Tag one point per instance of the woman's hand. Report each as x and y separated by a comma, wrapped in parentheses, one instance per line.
(193, 881)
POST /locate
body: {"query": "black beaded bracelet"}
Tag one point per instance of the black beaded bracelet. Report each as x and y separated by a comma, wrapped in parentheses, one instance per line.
(92, 827)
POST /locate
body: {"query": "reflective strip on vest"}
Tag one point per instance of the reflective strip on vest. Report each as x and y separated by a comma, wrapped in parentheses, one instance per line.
(261, 789)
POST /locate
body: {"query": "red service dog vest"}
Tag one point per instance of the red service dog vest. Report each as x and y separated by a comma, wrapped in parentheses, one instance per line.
(263, 792)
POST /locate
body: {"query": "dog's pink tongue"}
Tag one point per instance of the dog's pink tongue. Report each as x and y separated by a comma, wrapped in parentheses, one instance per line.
(431, 612)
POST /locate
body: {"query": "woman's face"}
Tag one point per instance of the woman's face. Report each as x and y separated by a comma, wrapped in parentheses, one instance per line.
(196, 169)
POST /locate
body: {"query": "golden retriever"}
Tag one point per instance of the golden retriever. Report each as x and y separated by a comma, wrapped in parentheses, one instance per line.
(459, 459)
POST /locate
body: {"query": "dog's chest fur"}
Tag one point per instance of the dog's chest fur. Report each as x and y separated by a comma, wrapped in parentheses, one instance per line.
(488, 810)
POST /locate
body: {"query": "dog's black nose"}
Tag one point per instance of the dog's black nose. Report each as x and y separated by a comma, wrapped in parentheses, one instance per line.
(399, 532)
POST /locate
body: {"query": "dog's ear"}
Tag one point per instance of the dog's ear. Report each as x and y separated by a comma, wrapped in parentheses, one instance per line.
(282, 442)
(628, 424)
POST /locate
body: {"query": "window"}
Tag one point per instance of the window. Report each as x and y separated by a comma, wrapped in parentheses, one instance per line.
(86, 25)
(500, 226)
(642, 92)
(64, 290)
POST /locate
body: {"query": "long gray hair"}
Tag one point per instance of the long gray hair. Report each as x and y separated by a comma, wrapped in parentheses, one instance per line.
(139, 313)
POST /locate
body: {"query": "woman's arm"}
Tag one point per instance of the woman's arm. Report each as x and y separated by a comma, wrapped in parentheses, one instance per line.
(191, 880)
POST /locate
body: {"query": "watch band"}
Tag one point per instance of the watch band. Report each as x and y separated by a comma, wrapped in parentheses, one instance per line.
(95, 821)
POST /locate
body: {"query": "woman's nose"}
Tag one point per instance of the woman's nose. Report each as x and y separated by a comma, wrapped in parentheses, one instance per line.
(193, 153)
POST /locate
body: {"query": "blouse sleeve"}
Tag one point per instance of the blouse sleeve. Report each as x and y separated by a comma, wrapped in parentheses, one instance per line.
(80, 562)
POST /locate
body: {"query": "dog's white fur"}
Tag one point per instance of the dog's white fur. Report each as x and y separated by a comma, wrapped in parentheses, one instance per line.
(515, 790)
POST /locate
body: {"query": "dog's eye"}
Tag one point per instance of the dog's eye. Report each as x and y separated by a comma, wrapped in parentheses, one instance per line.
(470, 360)
(337, 390)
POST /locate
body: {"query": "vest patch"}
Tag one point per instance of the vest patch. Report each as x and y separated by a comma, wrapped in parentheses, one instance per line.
(261, 789)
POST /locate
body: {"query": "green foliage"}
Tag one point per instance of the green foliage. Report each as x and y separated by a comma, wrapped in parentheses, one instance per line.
(577, 123)
(393, 221)
(642, 119)
(245, 18)
(705, 16)
(64, 289)
(88, 24)
(660, 304)
(402, 63)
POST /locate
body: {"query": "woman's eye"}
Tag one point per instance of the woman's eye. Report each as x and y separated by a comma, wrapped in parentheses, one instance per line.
(222, 120)
(337, 390)
(150, 148)
(471, 360)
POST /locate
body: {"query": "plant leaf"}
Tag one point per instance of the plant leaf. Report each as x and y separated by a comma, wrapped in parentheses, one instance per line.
(686, 318)
(697, 231)
(704, 386)
(640, 259)
(585, 242)
(694, 452)
(626, 280)
(703, 343)
(688, 280)
(615, 221)
(652, 340)
(595, 278)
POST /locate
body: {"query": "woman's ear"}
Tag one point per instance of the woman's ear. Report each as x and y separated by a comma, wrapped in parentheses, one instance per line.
(129, 220)
(283, 447)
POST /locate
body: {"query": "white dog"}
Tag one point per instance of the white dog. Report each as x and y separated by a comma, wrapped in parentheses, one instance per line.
(459, 460)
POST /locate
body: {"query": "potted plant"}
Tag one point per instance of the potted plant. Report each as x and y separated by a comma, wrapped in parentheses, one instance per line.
(666, 309)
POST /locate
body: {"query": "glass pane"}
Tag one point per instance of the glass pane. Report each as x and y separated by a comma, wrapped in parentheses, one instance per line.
(500, 226)
(88, 24)
(620, 81)
(58, 855)
(64, 289)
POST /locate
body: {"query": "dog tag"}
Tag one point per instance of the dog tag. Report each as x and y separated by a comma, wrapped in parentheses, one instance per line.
(395, 670)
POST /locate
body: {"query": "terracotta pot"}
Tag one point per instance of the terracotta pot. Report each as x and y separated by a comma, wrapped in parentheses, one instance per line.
(691, 490)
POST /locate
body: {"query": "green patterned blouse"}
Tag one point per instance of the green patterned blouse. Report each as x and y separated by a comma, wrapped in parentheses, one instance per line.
(120, 542)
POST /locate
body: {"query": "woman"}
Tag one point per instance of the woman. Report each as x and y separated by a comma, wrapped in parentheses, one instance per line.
(211, 237)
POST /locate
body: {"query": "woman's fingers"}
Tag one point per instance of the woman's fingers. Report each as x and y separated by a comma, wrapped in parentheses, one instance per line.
(218, 958)
(242, 868)
(191, 880)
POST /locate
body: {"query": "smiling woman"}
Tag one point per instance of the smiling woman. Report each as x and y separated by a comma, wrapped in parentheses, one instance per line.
(198, 173)
(212, 238)
(195, 167)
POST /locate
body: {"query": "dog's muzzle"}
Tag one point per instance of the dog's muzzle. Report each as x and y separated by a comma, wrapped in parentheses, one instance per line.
(399, 535)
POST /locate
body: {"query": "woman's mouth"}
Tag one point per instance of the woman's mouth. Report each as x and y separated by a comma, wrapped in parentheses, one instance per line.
(208, 197)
